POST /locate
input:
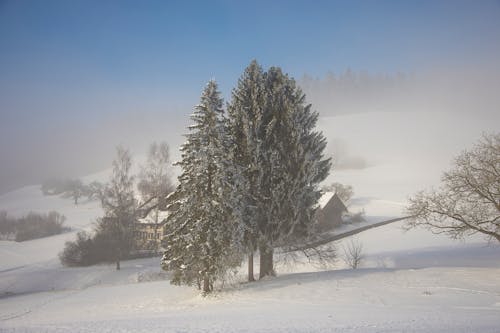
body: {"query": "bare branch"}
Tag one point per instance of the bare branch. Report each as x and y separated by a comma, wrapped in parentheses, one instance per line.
(468, 201)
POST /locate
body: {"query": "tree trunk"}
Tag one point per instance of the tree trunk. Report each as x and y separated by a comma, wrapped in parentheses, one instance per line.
(250, 268)
(198, 283)
(118, 265)
(206, 286)
(266, 261)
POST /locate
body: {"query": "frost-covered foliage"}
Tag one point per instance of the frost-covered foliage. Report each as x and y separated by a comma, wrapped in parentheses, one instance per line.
(245, 125)
(279, 157)
(249, 181)
(468, 201)
(198, 244)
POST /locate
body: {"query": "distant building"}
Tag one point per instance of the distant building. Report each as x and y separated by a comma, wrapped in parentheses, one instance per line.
(330, 212)
(149, 231)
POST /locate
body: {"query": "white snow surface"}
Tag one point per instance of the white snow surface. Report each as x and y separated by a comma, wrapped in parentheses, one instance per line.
(411, 281)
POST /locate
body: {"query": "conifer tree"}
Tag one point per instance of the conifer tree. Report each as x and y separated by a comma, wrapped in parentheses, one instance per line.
(244, 123)
(281, 158)
(198, 245)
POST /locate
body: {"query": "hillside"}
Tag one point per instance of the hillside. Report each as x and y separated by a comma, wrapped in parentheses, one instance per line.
(409, 281)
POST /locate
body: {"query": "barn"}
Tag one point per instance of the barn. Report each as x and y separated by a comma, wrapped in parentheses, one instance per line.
(330, 211)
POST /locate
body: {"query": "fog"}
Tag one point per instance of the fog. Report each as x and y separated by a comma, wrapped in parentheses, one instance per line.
(461, 90)
(73, 146)
(405, 128)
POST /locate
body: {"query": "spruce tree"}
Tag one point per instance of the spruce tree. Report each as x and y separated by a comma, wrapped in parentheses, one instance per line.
(198, 245)
(281, 158)
(244, 126)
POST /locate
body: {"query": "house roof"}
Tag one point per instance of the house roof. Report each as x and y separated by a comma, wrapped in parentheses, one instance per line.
(331, 198)
(325, 198)
(151, 217)
(337, 203)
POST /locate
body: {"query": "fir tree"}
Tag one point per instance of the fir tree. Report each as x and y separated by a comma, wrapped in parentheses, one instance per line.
(244, 123)
(198, 247)
(280, 156)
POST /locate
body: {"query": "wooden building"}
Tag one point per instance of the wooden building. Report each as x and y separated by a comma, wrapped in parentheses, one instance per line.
(331, 211)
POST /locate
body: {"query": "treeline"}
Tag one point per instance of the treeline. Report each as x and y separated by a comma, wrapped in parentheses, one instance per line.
(31, 226)
(352, 91)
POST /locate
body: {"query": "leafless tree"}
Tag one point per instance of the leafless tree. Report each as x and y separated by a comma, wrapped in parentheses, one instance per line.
(345, 192)
(75, 189)
(353, 253)
(154, 179)
(95, 191)
(321, 256)
(468, 201)
(119, 206)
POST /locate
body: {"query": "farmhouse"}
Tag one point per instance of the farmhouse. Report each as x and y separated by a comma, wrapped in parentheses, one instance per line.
(330, 212)
(149, 230)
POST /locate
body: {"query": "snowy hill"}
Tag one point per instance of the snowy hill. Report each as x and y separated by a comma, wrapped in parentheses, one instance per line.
(411, 290)
(409, 281)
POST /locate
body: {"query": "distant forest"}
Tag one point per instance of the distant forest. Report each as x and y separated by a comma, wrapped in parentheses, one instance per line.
(353, 92)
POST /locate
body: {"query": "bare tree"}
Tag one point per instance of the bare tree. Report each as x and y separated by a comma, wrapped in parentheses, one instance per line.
(353, 253)
(155, 183)
(468, 201)
(119, 206)
(75, 189)
(345, 192)
(95, 190)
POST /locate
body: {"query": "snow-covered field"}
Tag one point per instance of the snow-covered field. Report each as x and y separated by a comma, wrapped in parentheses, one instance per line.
(408, 282)
(447, 288)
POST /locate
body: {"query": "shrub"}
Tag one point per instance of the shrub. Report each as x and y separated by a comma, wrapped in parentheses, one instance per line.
(7, 226)
(356, 217)
(36, 225)
(353, 253)
(77, 253)
(31, 226)
(90, 249)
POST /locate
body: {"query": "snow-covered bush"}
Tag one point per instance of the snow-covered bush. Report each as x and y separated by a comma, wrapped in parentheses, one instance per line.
(354, 217)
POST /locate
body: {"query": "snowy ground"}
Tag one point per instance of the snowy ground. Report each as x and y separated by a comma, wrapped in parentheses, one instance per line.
(433, 299)
(409, 281)
(412, 282)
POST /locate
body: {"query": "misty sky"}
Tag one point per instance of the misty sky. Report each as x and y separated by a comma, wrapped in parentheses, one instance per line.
(79, 77)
